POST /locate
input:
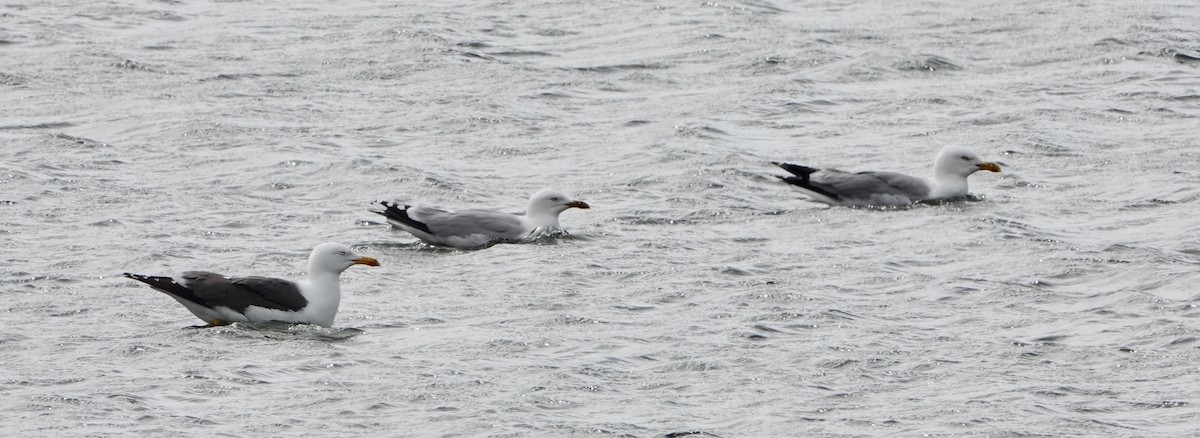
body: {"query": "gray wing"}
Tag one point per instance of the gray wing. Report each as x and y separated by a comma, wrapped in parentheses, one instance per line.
(238, 293)
(489, 223)
(875, 188)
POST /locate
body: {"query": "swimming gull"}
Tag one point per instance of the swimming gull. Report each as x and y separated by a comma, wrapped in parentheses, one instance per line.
(220, 300)
(834, 187)
(474, 228)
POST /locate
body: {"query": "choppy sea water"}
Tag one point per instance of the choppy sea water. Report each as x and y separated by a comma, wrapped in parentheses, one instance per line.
(699, 296)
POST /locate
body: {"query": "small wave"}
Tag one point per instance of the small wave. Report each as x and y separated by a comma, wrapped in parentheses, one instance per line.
(634, 308)
(279, 186)
(81, 141)
(130, 64)
(689, 433)
(12, 80)
(47, 125)
(575, 320)
(689, 365)
(240, 76)
(475, 55)
(1186, 57)
(522, 53)
(928, 63)
(841, 314)
(417, 245)
(557, 95)
(549, 236)
(964, 199)
(699, 131)
(106, 223)
(283, 331)
(167, 16)
(621, 67)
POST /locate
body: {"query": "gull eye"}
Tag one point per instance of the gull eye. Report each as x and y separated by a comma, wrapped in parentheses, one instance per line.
(342, 253)
(966, 158)
(555, 199)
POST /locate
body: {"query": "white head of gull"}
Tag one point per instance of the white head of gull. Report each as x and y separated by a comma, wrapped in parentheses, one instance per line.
(951, 169)
(323, 288)
(219, 300)
(545, 206)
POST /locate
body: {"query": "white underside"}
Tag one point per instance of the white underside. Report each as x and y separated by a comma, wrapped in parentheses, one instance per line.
(457, 241)
(949, 187)
(939, 189)
(877, 199)
(321, 309)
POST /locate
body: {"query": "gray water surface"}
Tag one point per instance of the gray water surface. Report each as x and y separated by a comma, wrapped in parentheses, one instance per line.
(698, 296)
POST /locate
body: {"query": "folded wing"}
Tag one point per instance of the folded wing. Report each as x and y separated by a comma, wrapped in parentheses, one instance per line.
(872, 188)
(496, 225)
(461, 228)
(213, 290)
(862, 188)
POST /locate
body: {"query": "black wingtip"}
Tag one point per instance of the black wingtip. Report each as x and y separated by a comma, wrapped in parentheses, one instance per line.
(796, 169)
(160, 283)
(387, 209)
(801, 179)
(168, 286)
(395, 212)
(148, 279)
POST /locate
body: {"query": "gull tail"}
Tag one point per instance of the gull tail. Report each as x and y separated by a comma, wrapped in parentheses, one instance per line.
(168, 286)
(394, 213)
(801, 179)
